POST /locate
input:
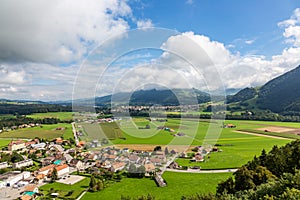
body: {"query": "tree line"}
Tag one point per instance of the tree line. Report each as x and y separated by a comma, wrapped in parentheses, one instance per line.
(19, 120)
(26, 109)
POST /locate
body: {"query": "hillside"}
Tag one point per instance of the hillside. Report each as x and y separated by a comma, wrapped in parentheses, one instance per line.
(154, 96)
(279, 95)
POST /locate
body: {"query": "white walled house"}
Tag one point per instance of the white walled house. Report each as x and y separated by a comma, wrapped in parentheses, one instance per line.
(3, 165)
(11, 178)
(23, 163)
(45, 170)
(16, 145)
(62, 170)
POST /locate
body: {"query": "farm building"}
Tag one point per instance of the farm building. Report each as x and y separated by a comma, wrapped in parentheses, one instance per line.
(11, 178)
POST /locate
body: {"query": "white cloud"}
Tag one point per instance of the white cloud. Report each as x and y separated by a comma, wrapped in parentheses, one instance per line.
(144, 24)
(57, 31)
(292, 28)
(12, 77)
(44, 35)
(249, 41)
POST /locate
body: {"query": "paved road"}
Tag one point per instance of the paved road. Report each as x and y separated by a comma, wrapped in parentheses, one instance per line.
(74, 132)
(202, 171)
(78, 198)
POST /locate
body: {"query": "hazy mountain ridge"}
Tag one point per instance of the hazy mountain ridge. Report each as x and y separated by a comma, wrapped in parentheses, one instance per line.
(279, 95)
(154, 96)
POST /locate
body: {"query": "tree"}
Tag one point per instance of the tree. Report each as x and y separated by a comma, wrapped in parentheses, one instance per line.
(54, 175)
(141, 171)
(93, 183)
(243, 179)
(157, 148)
(72, 141)
(132, 170)
(226, 186)
(166, 151)
(15, 157)
(100, 185)
(263, 157)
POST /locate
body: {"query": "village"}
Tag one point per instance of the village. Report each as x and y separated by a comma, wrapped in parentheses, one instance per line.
(42, 162)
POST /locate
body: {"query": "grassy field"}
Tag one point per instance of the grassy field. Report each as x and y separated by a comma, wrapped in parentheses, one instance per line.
(179, 184)
(59, 115)
(44, 131)
(3, 116)
(64, 189)
(102, 130)
(4, 142)
(237, 148)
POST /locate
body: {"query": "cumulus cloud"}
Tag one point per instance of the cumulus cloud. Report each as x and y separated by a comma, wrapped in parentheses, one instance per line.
(144, 23)
(57, 31)
(11, 76)
(38, 45)
(238, 71)
(292, 28)
(42, 43)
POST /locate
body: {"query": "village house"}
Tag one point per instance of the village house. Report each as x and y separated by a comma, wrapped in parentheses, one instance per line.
(41, 145)
(149, 168)
(45, 170)
(29, 143)
(78, 164)
(134, 158)
(3, 165)
(31, 188)
(16, 145)
(48, 160)
(81, 144)
(62, 170)
(29, 192)
(23, 163)
(39, 178)
(117, 166)
(68, 157)
(229, 126)
(173, 165)
(11, 178)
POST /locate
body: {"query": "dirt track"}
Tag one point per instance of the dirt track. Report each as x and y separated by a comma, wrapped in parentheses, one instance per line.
(277, 129)
(262, 135)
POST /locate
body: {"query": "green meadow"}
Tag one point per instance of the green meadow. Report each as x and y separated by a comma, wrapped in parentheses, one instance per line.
(64, 189)
(178, 185)
(59, 115)
(45, 131)
(237, 148)
(4, 142)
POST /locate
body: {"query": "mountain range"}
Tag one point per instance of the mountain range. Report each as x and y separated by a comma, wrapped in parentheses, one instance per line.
(279, 95)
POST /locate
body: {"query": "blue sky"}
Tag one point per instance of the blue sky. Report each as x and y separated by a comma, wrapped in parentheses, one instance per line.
(47, 44)
(231, 22)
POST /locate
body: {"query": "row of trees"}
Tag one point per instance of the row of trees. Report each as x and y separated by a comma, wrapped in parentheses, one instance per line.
(19, 120)
(26, 109)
